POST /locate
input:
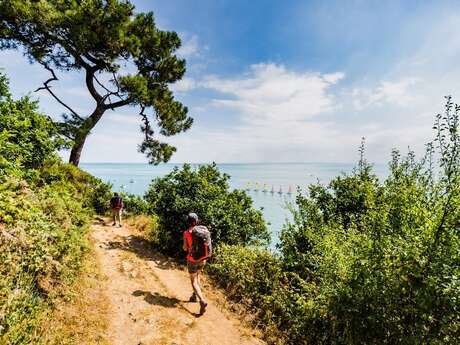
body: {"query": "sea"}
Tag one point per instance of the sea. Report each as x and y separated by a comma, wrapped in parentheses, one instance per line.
(272, 186)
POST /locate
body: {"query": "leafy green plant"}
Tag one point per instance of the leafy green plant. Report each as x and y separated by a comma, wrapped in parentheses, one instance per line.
(364, 261)
(134, 204)
(28, 137)
(45, 209)
(205, 191)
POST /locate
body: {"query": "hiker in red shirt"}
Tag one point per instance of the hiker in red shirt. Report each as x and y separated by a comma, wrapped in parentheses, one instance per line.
(197, 244)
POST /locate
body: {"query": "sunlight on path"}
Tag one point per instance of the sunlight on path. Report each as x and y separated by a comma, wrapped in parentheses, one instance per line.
(148, 297)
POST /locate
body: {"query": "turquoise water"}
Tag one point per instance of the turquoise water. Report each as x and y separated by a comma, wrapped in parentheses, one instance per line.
(135, 178)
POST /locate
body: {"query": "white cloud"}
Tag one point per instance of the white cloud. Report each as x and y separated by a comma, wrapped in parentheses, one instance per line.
(189, 46)
(274, 113)
(270, 93)
(184, 85)
(278, 117)
(397, 92)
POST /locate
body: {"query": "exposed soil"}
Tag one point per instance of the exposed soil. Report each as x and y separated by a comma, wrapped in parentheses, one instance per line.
(147, 297)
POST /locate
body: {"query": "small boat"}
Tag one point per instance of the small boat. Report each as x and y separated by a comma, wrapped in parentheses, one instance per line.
(290, 191)
(265, 190)
(257, 187)
(131, 181)
(273, 190)
(247, 187)
(280, 191)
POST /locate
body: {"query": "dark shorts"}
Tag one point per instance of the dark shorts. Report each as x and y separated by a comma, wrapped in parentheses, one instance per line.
(194, 267)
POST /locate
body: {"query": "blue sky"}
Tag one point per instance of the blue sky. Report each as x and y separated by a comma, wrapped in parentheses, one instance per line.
(287, 80)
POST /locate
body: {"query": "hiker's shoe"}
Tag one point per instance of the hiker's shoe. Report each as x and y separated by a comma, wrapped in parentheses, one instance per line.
(114, 224)
(203, 306)
(120, 225)
(193, 298)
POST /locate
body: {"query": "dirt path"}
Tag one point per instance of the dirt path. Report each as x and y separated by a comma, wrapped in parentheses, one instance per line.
(147, 296)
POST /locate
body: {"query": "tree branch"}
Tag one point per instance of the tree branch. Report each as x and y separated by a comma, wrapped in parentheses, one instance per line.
(48, 88)
(109, 92)
(147, 129)
(90, 85)
(117, 104)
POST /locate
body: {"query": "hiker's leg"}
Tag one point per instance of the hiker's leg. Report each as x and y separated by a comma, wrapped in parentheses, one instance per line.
(196, 286)
(202, 264)
(114, 216)
(119, 217)
(203, 303)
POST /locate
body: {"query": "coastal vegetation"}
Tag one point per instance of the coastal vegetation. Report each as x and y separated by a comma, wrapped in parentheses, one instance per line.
(229, 214)
(125, 59)
(363, 261)
(45, 210)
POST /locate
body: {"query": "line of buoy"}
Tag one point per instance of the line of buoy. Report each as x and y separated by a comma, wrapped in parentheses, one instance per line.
(265, 188)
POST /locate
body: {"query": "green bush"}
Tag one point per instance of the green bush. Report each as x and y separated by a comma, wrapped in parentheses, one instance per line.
(364, 261)
(246, 272)
(29, 138)
(42, 241)
(45, 209)
(205, 191)
(134, 204)
(383, 256)
(91, 191)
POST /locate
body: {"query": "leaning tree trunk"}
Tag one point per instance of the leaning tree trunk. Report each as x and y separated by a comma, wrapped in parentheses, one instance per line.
(75, 153)
(84, 130)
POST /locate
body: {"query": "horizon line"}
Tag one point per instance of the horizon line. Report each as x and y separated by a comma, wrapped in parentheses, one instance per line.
(233, 163)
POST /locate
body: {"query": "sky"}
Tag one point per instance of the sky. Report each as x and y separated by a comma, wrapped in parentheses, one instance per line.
(285, 81)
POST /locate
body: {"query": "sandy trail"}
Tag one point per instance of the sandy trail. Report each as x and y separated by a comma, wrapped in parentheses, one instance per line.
(148, 297)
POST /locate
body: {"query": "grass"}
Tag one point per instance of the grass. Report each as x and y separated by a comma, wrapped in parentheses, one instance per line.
(81, 316)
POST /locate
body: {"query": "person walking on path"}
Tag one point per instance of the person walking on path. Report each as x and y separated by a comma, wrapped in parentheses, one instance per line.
(197, 244)
(116, 203)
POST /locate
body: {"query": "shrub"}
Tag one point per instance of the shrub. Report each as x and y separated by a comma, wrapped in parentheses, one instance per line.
(42, 240)
(45, 209)
(205, 191)
(245, 272)
(364, 261)
(134, 204)
(148, 225)
(29, 138)
(91, 191)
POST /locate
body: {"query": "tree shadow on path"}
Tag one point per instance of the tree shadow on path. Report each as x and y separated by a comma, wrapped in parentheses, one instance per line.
(143, 249)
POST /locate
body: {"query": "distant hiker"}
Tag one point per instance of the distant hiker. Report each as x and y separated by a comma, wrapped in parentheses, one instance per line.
(117, 206)
(197, 244)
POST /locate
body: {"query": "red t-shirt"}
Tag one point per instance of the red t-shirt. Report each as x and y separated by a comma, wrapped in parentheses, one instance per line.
(188, 240)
